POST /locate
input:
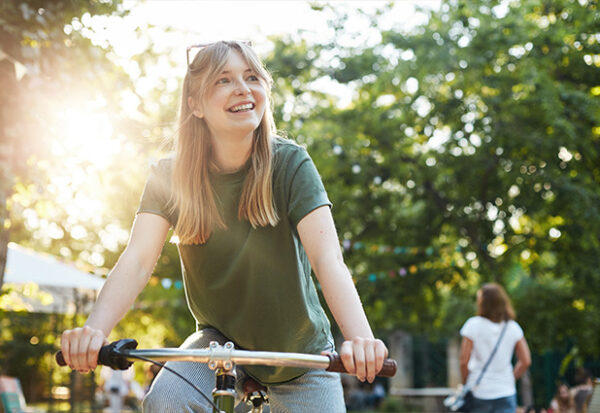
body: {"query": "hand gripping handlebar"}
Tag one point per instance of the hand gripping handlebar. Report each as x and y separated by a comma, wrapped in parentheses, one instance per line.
(110, 355)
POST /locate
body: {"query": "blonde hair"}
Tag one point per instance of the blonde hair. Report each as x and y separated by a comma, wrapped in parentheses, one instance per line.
(192, 192)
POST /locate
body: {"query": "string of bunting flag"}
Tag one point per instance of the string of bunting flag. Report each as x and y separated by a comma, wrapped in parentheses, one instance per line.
(396, 250)
(166, 283)
(349, 245)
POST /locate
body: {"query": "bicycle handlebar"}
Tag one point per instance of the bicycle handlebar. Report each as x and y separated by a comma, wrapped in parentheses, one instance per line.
(117, 354)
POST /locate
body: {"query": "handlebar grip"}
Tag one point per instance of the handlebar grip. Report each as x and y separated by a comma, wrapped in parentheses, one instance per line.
(109, 355)
(388, 370)
(60, 360)
(103, 356)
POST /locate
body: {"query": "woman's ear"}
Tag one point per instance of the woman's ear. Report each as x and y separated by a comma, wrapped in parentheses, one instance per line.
(196, 111)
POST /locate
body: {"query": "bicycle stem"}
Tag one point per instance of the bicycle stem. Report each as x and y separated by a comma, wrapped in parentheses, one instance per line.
(224, 391)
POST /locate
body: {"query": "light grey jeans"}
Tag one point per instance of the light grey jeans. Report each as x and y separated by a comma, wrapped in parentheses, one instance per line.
(315, 391)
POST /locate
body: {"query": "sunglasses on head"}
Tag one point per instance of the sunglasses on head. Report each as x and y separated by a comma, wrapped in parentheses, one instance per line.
(200, 46)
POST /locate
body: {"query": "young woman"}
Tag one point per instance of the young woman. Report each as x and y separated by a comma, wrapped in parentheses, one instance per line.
(496, 393)
(252, 218)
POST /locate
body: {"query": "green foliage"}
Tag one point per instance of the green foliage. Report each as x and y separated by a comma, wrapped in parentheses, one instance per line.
(68, 98)
(27, 344)
(46, 40)
(471, 148)
(74, 169)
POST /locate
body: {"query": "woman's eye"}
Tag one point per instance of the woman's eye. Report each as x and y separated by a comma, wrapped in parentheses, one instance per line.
(253, 78)
(222, 80)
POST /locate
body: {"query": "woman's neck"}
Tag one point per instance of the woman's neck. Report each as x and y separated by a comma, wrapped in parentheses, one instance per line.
(229, 155)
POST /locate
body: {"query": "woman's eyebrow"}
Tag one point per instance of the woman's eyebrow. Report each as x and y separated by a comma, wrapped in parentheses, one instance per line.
(226, 72)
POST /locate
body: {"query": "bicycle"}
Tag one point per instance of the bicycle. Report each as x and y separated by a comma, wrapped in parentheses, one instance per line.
(222, 358)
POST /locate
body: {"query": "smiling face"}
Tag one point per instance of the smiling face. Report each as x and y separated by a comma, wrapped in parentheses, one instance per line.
(235, 100)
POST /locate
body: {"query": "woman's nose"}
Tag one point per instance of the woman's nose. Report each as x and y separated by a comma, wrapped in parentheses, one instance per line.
(241, 88)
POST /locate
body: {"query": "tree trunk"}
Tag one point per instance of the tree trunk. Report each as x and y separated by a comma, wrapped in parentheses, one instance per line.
(3, 248)
(8, 82)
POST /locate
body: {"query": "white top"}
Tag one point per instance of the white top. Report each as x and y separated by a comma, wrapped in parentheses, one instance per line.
(498, 380)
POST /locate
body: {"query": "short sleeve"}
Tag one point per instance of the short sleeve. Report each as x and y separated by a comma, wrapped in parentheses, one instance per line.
(156, 193)
(516, 330)
(307, 192)
(469, 329)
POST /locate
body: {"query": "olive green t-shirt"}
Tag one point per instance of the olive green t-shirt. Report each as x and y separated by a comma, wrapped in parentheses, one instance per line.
(254, 285)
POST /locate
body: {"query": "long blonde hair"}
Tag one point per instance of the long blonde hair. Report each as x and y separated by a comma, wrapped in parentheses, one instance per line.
(192, 193)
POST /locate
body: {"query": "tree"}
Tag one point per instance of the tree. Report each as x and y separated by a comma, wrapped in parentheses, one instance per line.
(516, 174)
(63, 95)
(43, 51)
(469, 154)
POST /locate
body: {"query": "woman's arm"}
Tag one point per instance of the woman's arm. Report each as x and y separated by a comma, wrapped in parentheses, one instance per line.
(80, 346)
(466, 347)
(523, 358)
(361, 353)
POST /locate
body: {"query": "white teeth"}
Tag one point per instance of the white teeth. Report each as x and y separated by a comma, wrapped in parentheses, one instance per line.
(246, 106)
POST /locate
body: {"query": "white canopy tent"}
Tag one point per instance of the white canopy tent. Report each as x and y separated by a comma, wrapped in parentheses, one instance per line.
(58, 287)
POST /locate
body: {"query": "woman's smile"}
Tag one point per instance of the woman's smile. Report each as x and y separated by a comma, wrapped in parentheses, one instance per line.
(242, 107)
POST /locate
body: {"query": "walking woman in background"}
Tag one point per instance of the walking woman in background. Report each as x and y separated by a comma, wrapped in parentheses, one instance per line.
(252, 218)
(493, 326)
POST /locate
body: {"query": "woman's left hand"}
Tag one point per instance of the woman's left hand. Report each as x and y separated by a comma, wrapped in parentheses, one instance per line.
(363, 357)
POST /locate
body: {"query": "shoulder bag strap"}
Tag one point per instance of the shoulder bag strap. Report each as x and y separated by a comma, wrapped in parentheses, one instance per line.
(493, 353)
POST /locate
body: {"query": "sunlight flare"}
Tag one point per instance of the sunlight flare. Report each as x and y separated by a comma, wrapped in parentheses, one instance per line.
(87, 137)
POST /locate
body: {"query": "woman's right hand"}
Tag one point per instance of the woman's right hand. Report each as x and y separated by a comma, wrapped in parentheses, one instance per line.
(80, 347)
